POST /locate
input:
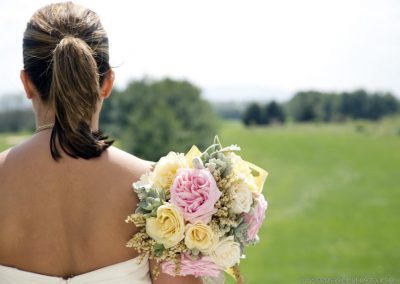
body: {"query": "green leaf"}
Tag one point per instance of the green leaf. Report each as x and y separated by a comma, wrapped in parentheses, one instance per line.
(254, 172)
(158, 249)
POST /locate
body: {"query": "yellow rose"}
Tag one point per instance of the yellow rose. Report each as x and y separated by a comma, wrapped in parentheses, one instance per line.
(168, 227)
(201, 237)
(166, 168)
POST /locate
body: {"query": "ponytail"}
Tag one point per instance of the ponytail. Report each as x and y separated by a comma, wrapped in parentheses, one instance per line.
(74, 95)
(66, 55)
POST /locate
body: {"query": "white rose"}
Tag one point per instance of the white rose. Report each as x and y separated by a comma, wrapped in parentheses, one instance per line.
(242, 197)
(145, 181)
(166, 168)
(200, 236)
(226, 253)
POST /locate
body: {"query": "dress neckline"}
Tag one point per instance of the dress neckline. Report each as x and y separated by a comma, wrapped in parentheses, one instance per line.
(119, 265)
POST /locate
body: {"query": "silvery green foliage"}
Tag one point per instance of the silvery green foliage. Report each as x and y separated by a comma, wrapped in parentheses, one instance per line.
(194, 253)
(227, 229)
(241, 231)
(158, 249)
(240, 234)
(216, 161)
(197, 163)
(143, 185)
(254, 241)
(150, 200)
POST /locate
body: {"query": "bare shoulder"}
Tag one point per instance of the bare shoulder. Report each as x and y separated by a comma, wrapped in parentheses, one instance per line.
(128, 163)
(3, 154)
(3, 157)
(117, 171)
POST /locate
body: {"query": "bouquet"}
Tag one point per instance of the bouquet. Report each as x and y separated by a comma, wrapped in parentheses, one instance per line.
(197, 212)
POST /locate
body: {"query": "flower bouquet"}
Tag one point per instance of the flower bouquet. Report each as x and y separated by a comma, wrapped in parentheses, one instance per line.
(198, 211)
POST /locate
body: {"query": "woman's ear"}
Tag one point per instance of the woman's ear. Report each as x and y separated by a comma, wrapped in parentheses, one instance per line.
(108, 83)
(27, 83)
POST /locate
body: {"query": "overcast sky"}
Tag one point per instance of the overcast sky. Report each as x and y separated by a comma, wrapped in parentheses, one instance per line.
(236, 49)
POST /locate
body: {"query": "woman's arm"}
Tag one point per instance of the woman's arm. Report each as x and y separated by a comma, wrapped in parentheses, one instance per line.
(164, 278)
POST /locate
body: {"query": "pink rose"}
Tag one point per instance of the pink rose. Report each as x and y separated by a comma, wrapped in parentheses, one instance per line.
(195, 192)
(255, 217)
(200, 267)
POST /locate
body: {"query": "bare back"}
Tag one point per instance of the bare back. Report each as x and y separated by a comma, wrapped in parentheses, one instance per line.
(65, 218)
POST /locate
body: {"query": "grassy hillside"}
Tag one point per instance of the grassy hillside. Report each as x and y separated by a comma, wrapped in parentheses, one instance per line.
(333, 195)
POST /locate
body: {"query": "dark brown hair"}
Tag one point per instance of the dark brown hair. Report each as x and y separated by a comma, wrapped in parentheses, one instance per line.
(65, 50)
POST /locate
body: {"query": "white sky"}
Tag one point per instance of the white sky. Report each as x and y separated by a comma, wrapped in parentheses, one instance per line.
(236, 49)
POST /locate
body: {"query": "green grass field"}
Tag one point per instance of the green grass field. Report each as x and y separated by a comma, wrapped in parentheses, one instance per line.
(333, 194)
(333, 197)
(10, 139)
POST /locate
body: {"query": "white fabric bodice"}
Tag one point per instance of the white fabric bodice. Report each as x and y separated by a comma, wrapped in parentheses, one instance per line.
(126, 272)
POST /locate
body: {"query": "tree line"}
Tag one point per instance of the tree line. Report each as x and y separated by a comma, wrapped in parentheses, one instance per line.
(270, 113)
(151, 117)
(16, 114)
(307, 106)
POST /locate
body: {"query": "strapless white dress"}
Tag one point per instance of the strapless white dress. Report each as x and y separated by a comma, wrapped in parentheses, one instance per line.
(126, 272)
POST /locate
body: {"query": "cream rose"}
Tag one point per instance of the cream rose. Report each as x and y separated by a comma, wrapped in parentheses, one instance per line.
(244, 169)
(201, 237)
(242, 197)
(166, 168)
(226, 252)
(168, 227)
(239, 165)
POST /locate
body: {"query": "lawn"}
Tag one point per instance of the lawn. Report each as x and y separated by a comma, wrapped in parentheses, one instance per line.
(10, 139)
(333, 194)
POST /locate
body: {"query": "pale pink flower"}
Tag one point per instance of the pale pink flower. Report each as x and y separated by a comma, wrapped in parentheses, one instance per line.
(255, 217)
(203, 266)
(195, 192)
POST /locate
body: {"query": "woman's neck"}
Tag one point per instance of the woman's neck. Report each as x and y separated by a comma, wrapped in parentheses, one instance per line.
(44, 115)
(42, 120)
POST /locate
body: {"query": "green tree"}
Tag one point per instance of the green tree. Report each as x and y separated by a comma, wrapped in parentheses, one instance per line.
(17, 120)
(359, 104)
(304, 106)
(253, 115)
(391, 104)
(154, 117)
(274, 113)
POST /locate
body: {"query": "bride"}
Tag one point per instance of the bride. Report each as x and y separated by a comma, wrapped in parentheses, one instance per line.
(65, 192)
